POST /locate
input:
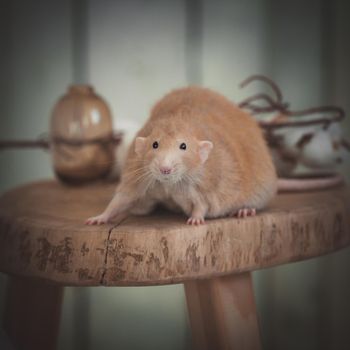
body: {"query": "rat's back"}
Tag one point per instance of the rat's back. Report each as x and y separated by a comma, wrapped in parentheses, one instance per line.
(240, 157)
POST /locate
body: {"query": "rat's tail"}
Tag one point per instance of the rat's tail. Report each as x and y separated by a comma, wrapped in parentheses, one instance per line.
(309, 184)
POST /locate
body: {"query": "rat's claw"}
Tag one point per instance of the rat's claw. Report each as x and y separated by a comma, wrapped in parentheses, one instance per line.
(97, 220)
(245, 212)
(195, 220)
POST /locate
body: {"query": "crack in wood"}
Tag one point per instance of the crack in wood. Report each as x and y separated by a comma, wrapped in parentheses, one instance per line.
(103, 281)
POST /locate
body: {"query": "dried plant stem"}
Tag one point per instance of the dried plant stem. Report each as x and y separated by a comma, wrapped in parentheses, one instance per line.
(45, 143)
(277, 105)
(270, 82)
(24, 144)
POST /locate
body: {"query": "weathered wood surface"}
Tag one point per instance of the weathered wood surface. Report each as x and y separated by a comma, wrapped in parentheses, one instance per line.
(223, 313)
(42, 235)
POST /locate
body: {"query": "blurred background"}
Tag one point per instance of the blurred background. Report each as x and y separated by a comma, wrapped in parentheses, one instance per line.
(133, 52)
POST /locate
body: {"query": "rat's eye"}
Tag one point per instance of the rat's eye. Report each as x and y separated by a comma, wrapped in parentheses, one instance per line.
(183, 146)
(155, 144)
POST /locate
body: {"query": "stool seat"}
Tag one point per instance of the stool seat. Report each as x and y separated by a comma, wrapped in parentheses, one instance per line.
(42, 235)
(43, 239)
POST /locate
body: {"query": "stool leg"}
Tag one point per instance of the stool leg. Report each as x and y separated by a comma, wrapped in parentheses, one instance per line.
(222, 313)
(32, 313)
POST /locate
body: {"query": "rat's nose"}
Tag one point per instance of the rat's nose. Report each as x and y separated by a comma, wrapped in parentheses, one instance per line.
(165, 170)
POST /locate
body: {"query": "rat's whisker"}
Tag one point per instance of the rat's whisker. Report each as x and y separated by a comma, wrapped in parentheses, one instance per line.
(142, 177)
(135, 172)
(135, 169)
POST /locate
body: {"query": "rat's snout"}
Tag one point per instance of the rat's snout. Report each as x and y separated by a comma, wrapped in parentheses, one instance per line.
(165, 167)
(165, 170)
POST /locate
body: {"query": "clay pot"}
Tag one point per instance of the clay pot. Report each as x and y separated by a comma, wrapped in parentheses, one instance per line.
(81, 135)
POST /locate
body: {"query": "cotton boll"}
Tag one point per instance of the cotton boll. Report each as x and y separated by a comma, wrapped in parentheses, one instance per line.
(335, 131)
(292, 136)
(320, 151)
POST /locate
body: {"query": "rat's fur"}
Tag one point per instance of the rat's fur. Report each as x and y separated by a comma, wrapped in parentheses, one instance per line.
(226, 165)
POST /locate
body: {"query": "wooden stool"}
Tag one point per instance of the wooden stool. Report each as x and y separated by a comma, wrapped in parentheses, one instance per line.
(43, 239)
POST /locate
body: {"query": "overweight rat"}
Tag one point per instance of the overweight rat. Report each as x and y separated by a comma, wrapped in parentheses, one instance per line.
(197, 153)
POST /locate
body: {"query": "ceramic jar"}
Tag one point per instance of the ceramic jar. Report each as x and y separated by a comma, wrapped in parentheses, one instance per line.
(81, 136)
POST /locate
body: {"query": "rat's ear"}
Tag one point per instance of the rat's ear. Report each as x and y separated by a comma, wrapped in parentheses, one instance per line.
(204, 149)
(139, 145)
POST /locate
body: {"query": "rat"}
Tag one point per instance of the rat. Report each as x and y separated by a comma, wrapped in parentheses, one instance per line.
(198, 153)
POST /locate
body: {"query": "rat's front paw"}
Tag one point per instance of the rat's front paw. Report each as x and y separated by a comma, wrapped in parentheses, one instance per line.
(193, 220)
(97, 220)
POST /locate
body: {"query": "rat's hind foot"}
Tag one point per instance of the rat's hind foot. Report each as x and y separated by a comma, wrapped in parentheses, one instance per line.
(244, 212)
(97, 220)
(195, 220)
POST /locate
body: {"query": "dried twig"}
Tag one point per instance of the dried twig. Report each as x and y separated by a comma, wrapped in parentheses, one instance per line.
(277, 105)
(270, 82)
(46, 143)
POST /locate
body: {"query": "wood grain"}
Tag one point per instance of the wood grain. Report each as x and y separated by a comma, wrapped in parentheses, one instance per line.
(223, 313)
(42, 235)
